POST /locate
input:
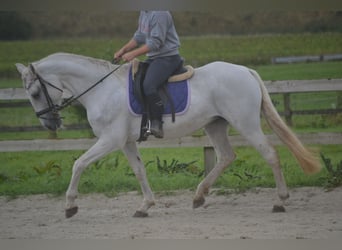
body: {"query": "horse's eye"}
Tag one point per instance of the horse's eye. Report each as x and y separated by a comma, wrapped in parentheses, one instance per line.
(35, 95)
(34, 90)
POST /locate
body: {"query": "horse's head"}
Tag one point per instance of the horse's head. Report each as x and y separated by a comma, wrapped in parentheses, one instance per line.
(45, 95)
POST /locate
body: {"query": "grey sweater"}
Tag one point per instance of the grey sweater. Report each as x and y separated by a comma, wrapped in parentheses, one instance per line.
(157, 31)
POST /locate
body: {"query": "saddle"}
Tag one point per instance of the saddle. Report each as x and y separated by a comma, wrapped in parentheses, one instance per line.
(138, 74)
(182, 72)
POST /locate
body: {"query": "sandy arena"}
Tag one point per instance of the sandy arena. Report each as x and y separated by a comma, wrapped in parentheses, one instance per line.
(312, 213)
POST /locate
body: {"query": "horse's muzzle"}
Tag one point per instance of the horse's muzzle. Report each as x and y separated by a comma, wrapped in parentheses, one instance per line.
(52, 121)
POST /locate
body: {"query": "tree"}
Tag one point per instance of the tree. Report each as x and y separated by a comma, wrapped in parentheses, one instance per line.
(14, 27)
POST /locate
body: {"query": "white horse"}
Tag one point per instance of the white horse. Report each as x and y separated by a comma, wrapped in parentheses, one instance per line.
(222, 94)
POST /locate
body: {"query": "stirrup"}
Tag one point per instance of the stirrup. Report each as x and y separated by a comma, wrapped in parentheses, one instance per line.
(147, 129)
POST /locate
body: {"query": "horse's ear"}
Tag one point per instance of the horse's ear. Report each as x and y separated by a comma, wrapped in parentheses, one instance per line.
(20, 67)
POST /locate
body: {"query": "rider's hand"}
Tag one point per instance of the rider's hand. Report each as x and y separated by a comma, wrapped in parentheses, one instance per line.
(118, 54)
(129, 56)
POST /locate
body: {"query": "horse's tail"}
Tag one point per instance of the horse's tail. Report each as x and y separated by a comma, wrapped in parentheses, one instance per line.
(306, 159)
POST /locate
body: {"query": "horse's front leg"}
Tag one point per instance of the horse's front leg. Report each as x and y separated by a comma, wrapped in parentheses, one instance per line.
(134, 158)
(98, 150)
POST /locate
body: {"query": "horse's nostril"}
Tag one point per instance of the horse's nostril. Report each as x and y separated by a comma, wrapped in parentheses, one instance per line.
(52, 124)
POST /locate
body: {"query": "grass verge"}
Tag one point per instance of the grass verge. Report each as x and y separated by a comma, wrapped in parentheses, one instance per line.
(49, 172)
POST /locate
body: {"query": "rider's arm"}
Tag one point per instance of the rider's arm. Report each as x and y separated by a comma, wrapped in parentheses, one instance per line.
(132, 44)
(129, 56)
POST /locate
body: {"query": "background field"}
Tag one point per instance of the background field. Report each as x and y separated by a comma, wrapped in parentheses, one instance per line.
(251, 50)
(49, 172)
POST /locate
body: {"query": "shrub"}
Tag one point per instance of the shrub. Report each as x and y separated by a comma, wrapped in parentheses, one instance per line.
(334, 177)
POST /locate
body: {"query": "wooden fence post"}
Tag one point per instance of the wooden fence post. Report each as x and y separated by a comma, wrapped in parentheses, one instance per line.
(52, 134)
(287, 109)
(209, 159)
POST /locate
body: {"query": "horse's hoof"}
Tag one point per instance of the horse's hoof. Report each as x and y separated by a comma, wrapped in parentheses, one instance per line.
(140, 214)
(71, 212)
(278, 209)
(198, 202)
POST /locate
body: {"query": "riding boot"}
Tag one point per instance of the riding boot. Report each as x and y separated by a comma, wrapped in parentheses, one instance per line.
(156, 108)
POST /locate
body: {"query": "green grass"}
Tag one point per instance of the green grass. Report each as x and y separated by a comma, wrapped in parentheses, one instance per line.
(29, 51)
(112, 174)
(109, 175)
(255, 51)
(246, 50)
(258, 49)
(300, 71)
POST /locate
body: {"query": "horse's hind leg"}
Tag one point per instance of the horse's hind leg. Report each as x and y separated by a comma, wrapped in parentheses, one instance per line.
(257, 138)
(261, 143)
(217, 133)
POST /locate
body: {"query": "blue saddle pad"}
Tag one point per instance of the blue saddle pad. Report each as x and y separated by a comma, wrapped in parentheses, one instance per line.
(178, 91)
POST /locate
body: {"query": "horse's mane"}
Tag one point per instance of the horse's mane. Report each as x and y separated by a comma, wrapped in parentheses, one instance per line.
(100, 63)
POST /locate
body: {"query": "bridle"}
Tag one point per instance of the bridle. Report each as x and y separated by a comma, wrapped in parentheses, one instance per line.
(55, 108)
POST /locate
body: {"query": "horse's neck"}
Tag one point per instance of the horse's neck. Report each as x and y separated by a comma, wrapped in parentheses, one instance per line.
(77, 74)
(79, 78)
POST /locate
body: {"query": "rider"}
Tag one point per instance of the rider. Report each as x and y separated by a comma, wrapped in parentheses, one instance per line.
(156, 37)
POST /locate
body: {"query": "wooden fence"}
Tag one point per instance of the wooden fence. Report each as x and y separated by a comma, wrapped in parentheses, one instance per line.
(301, 59)
(188, 141)
(286, 88)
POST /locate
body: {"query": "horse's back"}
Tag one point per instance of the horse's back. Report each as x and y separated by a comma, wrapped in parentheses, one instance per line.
(225, 69)
(225, 77)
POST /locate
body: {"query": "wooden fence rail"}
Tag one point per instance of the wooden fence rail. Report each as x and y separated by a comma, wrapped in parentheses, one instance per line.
(274, 87)
(303, 86)
(308, 58)
(188, 141)
(286, 88)
(324, 138)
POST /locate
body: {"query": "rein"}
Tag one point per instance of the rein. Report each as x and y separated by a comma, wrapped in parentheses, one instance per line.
(54, 108)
